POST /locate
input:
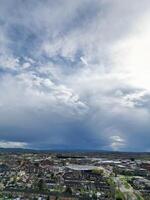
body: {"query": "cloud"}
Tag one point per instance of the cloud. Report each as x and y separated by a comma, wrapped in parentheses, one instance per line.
(77, 78)
(117, 142)
(83, 60)
(130, 55)
(8, 62)
(10, 144)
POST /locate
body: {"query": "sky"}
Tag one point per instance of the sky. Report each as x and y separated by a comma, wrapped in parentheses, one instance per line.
(75, 74)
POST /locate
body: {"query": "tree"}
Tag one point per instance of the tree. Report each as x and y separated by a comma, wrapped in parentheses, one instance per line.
(68, 190)
(41, 185)
(119, 198)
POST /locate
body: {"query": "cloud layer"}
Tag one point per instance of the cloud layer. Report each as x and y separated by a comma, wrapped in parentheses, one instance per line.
(75, 74)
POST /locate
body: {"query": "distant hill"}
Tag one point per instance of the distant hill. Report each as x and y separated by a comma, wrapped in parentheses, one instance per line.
(74, 151)
(16, 150)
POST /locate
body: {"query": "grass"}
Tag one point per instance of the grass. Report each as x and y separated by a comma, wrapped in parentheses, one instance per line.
(139, 197)
(125, 182)
(119, 195)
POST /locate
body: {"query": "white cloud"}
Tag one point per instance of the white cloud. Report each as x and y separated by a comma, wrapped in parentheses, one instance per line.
(131, 54)
(117, 142)
(26, 93)
(84, 61)
(12, 144)
(26, 65)
(8, 62)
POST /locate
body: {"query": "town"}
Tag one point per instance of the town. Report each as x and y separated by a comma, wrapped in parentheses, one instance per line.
(74, 175)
